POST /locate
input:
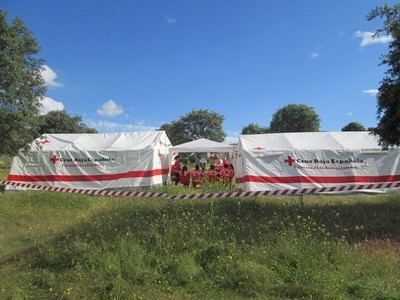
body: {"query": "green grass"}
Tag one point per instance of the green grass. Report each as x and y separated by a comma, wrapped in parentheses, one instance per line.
(5, 163)
(74, 247)
(66, 246)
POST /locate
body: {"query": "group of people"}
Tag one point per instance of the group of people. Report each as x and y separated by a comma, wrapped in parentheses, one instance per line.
(219, 171)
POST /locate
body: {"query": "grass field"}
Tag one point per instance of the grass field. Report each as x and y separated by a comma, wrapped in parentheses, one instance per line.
(58, 246)
(63, 246)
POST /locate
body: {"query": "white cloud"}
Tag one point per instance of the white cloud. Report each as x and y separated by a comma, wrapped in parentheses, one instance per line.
(371, 92)
(170, 20)
(48, 104)
(349, 114)
(107, 126)
(314, 55)
(49, 77)
(110, 109)
(370, 38)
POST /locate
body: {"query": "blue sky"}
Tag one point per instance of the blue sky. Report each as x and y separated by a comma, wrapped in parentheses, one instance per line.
(129, 65)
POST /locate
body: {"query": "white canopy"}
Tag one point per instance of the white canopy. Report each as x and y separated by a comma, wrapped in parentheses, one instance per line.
(202, 145)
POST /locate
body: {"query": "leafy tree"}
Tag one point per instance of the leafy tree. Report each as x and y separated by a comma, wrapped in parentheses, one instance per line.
(175, 132)
(353, 126)
(195, 125)
(21, 85)
(60, 122)
(388, 112)
(295, 118)
(253, 128)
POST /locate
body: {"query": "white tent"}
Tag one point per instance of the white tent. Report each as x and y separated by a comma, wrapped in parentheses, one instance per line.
(94, 161)
(313, 159)
(202, 145)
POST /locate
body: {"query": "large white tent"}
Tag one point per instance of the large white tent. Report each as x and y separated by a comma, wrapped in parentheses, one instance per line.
(94, 161)
(313, 159)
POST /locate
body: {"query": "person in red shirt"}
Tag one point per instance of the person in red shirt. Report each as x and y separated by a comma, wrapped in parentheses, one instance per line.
(197, 176)
(176, 170)
(227, 174)
(212, 174)
(184, 178)
(226, 161)
(218, 164)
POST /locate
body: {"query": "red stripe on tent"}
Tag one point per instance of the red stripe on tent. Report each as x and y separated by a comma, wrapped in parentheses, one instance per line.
(318, 179)
(102, 177)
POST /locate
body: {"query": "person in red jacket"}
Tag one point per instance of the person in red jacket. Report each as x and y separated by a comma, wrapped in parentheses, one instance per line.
(212, 174)
(184, 178)
(197, 176)
(218, 164)
(176, 170)
(227, 174)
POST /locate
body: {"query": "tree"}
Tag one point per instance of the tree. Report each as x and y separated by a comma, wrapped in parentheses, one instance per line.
(60, 122)
(175, 132)
(21, 85)
(197, 124)
(388, 106)
(353, 126)
(295, 118)
(253, 128)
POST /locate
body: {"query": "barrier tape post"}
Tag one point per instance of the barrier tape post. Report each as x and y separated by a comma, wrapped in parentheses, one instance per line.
(215, 195)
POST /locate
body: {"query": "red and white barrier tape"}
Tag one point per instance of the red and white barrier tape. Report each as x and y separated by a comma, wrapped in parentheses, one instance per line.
(287, 192)
(113, 193)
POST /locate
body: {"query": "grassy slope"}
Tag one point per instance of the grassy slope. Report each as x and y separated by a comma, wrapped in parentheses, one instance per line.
(62, 246)
(100, 248)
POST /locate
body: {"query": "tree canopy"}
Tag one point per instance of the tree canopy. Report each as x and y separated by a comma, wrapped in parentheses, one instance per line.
(295, 118)
(388, 106)
(353, 126)
(60, 122)
(21, 85)
(253, 128)
(197, 124)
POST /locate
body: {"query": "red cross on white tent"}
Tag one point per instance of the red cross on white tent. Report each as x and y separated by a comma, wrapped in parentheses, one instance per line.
(54, 159)
(289, 160)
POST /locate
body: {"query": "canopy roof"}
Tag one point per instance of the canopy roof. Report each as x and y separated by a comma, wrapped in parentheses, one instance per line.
(349, 140)
(202, 145)
(101, 141)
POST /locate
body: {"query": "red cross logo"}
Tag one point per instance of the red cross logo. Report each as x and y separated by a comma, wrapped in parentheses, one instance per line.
(54, 159)
(44, 142)
(289, 160)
